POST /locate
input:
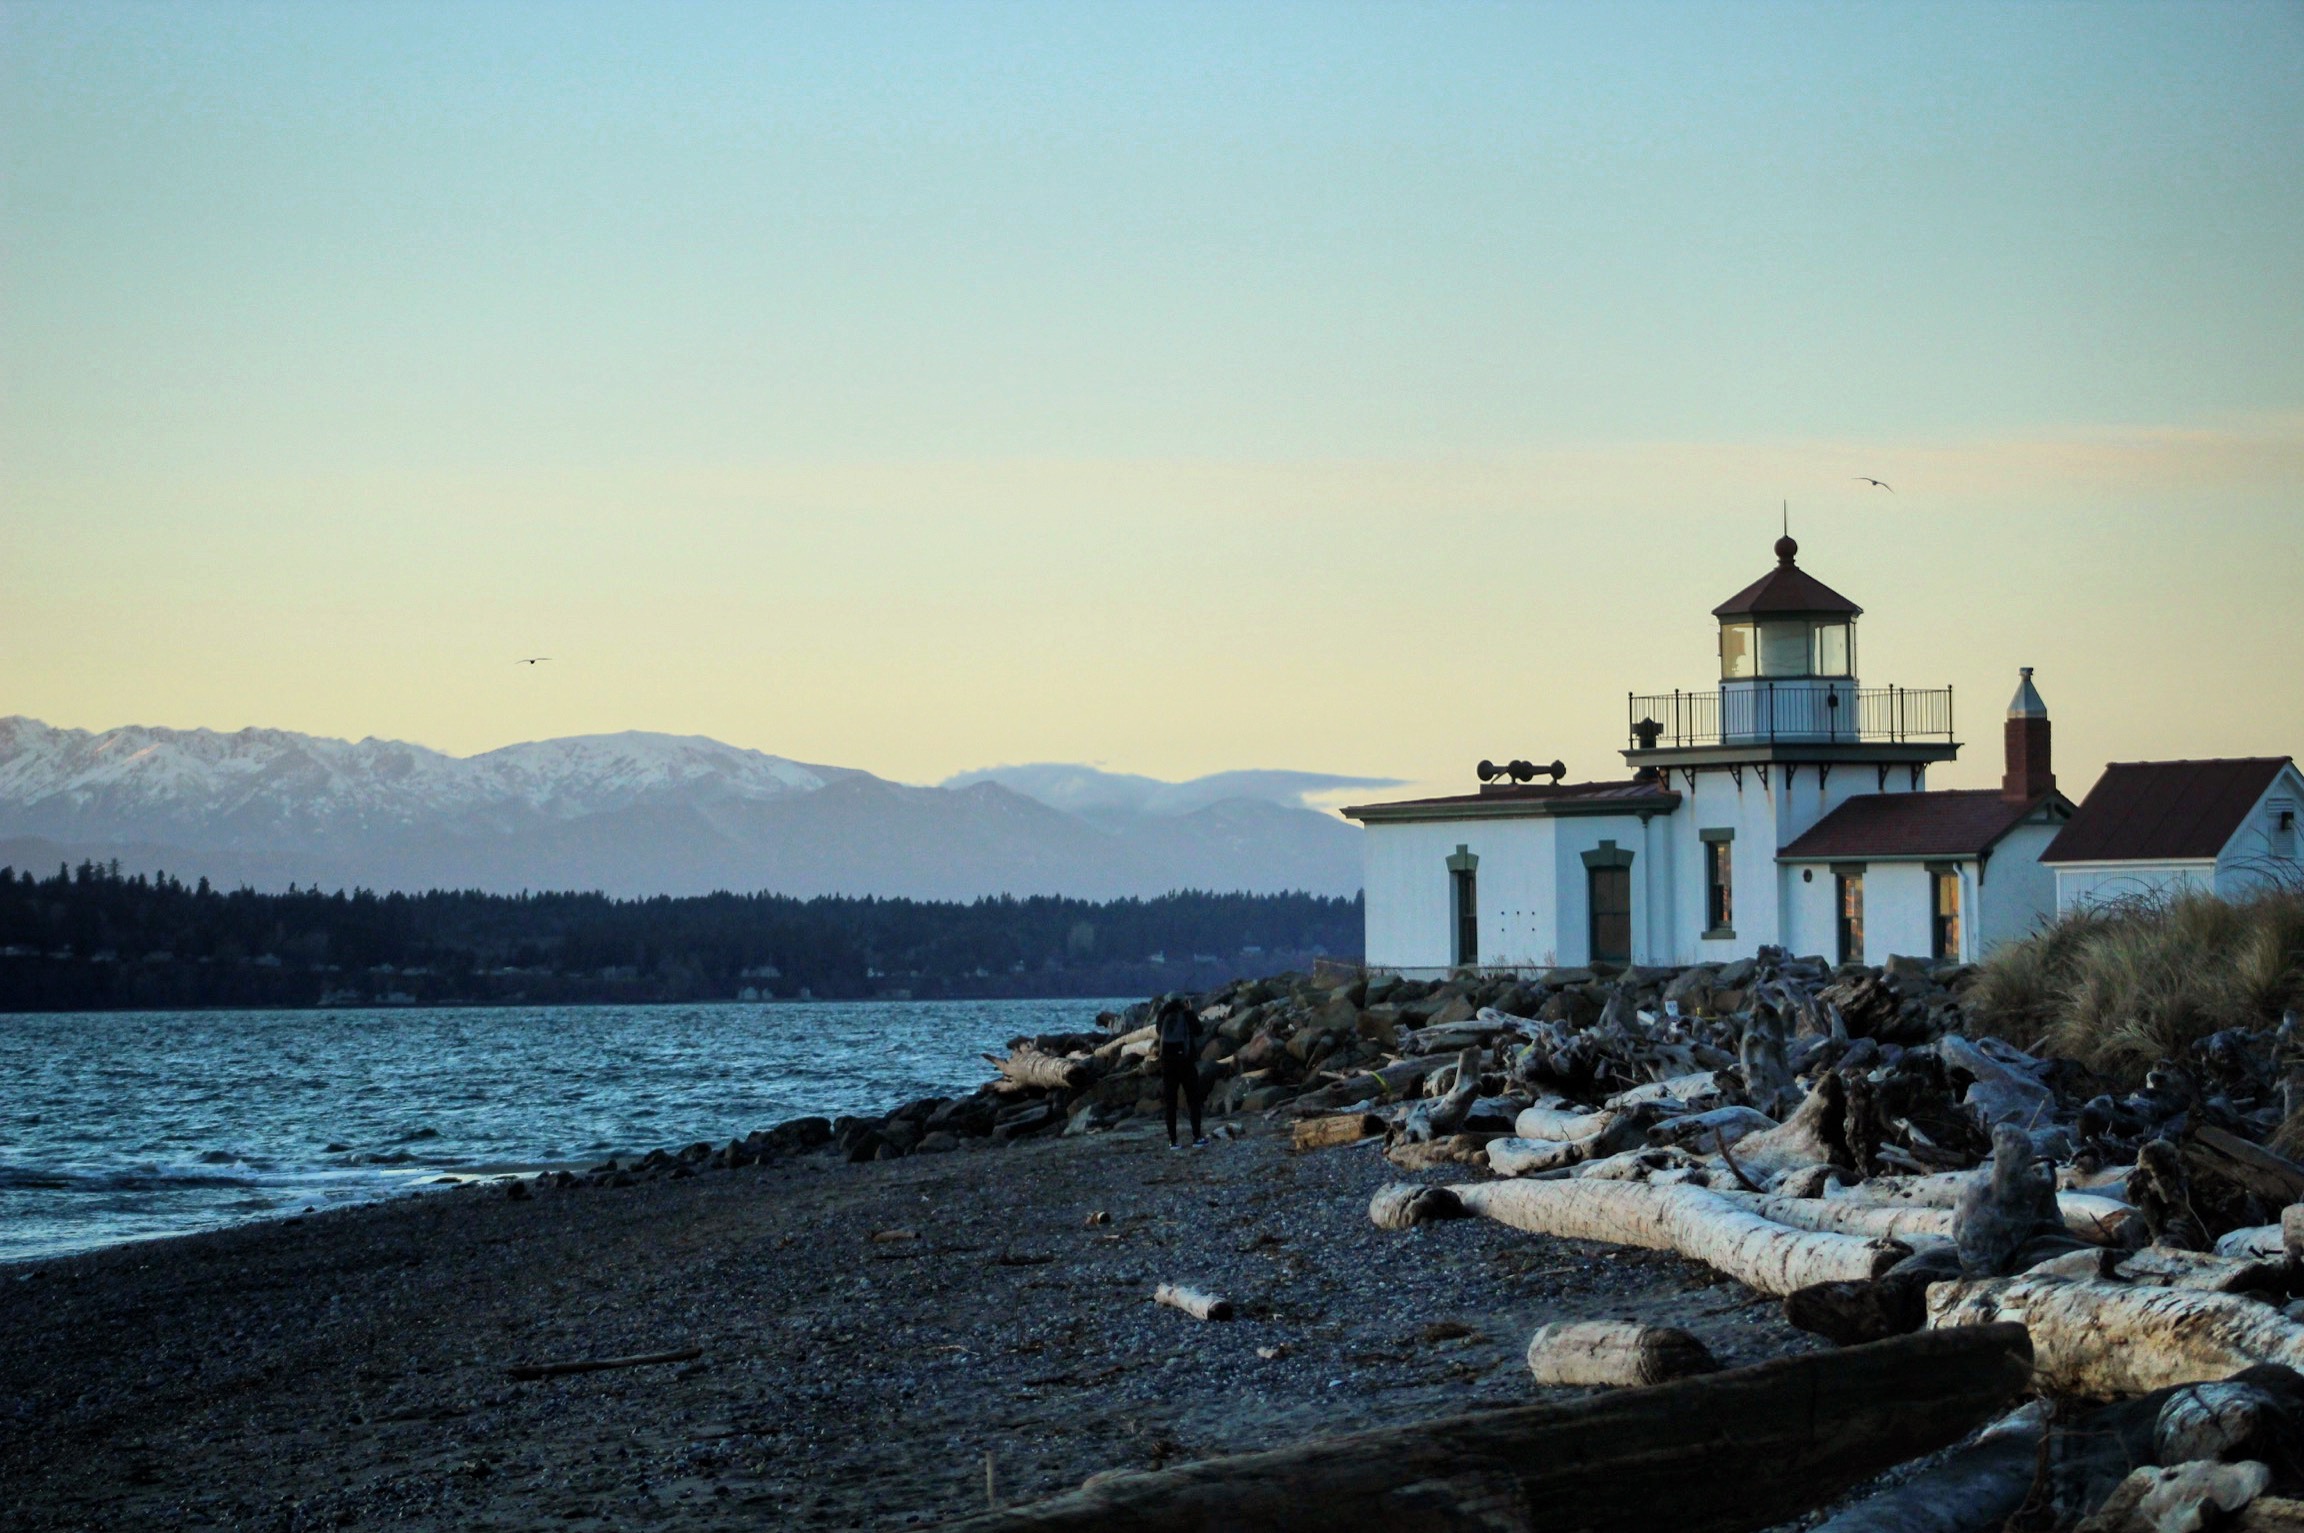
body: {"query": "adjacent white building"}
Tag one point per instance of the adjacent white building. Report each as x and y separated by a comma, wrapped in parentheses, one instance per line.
(1788, 805)
(2153, 828)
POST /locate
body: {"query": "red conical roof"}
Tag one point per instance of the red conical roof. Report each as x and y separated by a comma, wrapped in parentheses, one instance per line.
(1786, 590)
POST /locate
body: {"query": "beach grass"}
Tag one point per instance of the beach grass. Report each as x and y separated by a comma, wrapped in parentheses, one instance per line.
(2124, 986)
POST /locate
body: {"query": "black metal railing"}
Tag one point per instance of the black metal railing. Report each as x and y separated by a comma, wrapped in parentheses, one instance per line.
(1795, 711)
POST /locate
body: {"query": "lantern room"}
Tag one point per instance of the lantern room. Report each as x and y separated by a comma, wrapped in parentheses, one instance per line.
(1787, 625)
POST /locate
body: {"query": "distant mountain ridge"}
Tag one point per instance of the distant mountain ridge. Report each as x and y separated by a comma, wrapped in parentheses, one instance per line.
(642, 814)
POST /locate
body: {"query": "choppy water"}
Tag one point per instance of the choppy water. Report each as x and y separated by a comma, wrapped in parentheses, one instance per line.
(124, 1126)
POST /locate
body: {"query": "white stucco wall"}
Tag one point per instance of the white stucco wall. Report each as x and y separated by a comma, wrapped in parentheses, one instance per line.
(2252, 860)
(1411, 920)
(2018, 893)
(1766, 817)
(2079, 885)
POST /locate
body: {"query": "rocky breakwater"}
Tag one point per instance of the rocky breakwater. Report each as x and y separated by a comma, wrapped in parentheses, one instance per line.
(1312, 1045)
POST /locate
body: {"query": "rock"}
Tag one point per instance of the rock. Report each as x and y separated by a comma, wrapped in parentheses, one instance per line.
(516, 1190)
(1381, 1025)
(1735, 974)
(1023, 1122)
(936, 1142)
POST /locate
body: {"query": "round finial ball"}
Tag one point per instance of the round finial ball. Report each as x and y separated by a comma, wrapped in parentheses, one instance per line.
(1785, 549)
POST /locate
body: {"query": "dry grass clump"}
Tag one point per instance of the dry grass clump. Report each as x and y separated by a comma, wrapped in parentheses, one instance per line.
(2123, 987)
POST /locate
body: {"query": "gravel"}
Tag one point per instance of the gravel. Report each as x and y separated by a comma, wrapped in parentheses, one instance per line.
(347, 1369)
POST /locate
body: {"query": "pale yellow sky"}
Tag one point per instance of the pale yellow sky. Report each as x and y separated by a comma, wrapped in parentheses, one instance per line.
(1352, 388)
(1396, 618)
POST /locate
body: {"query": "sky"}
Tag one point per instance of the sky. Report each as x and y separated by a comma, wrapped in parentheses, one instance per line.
(1180, 388)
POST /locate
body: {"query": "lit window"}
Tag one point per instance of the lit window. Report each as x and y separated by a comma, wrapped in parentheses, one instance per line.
(1736, 657)
(1947, 922)
(1850, 891)
(1783, 649)
(1719, 888)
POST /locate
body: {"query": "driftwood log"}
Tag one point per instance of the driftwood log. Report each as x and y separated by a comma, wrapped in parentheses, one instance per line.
(1811, 1136)
(1196, 1302)
(1697, 1223)
(600, 1364)
(1030, 1067)
(1786, 1435)
(1616, 1353)
(2092, 1216)
(1896, 1221)
(1339, 1128)
(1439, 1117)
(1976, 1489)
(2104, 1339)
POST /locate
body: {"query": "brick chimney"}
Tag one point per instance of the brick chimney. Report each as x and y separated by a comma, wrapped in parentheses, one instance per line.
(2028, 776)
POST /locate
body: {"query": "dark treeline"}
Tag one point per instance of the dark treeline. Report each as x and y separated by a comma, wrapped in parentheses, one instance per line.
(89, 938)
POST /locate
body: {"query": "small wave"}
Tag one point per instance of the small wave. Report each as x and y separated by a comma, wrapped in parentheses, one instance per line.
(147, 1179)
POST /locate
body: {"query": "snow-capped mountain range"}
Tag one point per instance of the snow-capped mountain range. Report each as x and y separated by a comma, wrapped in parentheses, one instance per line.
(638, 814)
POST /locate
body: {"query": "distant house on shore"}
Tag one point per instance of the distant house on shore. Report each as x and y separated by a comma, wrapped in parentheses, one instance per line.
(2154, 828)
(1787, 806)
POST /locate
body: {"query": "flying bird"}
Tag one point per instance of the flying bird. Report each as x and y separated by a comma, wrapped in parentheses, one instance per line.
(533, 660)
(1879, 483)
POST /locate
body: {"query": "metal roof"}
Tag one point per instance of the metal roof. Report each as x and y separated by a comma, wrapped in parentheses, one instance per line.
(2143, 811)
(1510, 800)
(1785, 590)
(1951, 823)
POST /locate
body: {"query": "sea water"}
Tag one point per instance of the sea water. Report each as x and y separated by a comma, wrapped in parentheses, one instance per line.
(129, 1125)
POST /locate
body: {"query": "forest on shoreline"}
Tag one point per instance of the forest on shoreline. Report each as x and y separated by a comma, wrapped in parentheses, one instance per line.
(92, 938)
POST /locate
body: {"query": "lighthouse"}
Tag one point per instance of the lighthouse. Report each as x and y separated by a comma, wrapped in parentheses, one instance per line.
(1784, 803)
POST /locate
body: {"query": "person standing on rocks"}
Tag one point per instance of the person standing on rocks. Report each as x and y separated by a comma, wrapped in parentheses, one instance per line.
(1180, 1041)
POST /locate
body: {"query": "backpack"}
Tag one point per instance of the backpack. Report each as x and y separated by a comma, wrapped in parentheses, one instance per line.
(1179, 1029)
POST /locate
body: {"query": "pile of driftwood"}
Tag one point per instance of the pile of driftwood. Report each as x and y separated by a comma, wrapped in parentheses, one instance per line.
(1886, 1179)
(1318, 1043)
(1311, 1044)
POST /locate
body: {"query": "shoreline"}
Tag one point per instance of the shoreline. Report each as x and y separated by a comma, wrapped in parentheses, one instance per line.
(869, 1332)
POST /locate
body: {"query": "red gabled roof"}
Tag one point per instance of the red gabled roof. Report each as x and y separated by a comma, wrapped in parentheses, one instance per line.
(1786, 589)
(2146, 810)
(1958, 822)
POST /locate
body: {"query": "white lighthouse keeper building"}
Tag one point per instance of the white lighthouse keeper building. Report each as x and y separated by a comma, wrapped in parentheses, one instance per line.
(1787, 805)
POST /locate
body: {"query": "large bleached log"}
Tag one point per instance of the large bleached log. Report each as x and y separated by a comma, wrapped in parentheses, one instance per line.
(1874, 1219)
(1810, 1137)
(1030, 1067)
(2256, 1242)
(1106, 1052)
(2162, 1267)
(1405, 1205)
(2093, 1217)
(1196, 1302)
(1563, 1124)
(1785, 1436)
(1518, 1156)
(1693, 1221)
(1976, 1489)
(2091, 1337)
(1615, 1353)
